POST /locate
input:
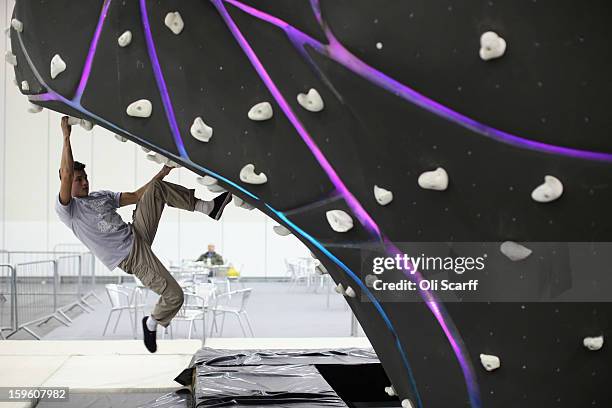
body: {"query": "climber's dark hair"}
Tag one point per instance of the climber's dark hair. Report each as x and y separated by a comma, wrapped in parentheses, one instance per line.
(77, 166)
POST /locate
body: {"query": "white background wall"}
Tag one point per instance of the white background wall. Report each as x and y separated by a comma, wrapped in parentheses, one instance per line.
(29, 160)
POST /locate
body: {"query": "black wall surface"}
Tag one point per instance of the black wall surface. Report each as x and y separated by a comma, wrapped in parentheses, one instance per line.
(552, 86)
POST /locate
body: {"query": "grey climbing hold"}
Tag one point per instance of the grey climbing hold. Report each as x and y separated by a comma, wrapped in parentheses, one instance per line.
(25, 86)
(383, 197)
(434, 180)
(390, 391)
(350, 292)
(514, 251)
(311, 101)
(10, 58)
(491, 46)
(32, 108)
(174, 22)
(407, 404)
(216, 188)
(370, 279)
(172, 164)
(339, 220)
(593, 343)
(72, 121)
(57, 66)
(17, 25)
(87, 125)
(340, 289)
(239, 202)
(125, 39)
(207, 180)
(120, 138)
(141, 108)
(550, 190)
(281, 230)
(248, 175)
(261, 111)
(144, 149)
(201, 130)
(490, 362)
(7, 32)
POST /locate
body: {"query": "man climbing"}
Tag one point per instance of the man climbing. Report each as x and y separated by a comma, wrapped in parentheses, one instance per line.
(95, 222)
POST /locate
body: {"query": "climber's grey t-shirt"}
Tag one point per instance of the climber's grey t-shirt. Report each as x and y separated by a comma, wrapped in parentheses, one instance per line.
(96, 223)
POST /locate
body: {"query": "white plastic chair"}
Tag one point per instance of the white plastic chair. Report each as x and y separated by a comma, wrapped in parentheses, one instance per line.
(124, 298)
(195, 307)
(224, 307)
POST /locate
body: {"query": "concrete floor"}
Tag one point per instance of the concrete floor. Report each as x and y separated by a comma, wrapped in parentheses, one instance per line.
(275, 310)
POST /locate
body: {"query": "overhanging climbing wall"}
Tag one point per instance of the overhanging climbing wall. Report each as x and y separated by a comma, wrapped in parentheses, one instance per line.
(456, 112)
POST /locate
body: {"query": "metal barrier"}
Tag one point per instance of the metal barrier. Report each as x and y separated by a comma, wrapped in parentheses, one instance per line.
(35, 300)
(69, 284)
(37, 286)
(7, 298)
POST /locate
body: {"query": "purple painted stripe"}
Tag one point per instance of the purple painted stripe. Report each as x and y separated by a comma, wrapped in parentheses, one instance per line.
(92, 52)
(352, 202)
(337, 52)
(161, 83)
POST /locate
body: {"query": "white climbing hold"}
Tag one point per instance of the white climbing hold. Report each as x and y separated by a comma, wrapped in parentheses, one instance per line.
(489, 362)
(550, 190)
(350, 292)
(25, 86)
(593, 343)
(281, 230)
(120, 138)
(32, 108)
(7, 31)
(407, 404)
(57, 66)
(141, 108)
(339, 220)
(172, 164)
(434, 180)
(320, 268)
(72, 121)
(174, 22)
(491, 46)
(157, 158)
(248, 175)
(87, 125)
(379, 45)
(340, 289)
(383, 197)
(514, 251)
(125, 39)
(216, 188)
(201, 130)
(390, 391)
(144, 149)
(261, 111)
(207, 180)
(311, 101)
(17, 25)
(239, 202)
(10, 58)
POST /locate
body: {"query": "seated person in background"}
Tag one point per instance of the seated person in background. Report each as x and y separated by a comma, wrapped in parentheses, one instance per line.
(215, 258)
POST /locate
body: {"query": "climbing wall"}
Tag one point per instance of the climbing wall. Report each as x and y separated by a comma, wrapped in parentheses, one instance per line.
(365, 126)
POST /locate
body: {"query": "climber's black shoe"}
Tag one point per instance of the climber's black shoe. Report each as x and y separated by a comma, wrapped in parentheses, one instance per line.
(149, 336)
(220, 202)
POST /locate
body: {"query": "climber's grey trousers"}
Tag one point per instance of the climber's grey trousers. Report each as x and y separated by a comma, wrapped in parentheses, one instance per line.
(141, 261)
